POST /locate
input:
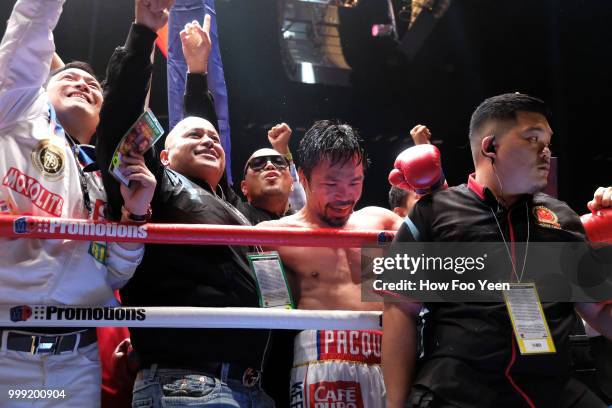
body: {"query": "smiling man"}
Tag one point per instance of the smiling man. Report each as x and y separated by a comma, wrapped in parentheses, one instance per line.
(47, 170)
(331, 168)
(76, 95)
(193, 189)
(193, 149)
(216, 367)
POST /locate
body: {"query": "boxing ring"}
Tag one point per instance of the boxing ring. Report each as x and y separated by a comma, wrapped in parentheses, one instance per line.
(598, 227)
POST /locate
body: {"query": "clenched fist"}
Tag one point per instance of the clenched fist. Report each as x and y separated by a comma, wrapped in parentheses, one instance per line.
(279, 137)
(152, 13)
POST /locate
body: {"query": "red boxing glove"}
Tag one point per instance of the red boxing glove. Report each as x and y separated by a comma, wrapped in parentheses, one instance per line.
(396, 178)
(419, 169)
(598, 225)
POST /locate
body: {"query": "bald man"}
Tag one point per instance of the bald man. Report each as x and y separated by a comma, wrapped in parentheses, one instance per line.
(192, 188)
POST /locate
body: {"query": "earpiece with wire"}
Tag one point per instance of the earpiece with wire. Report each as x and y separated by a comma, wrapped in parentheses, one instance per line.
(489, 149)
(492, 149)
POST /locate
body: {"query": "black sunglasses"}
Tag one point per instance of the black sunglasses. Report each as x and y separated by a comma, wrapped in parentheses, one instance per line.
(260, 162)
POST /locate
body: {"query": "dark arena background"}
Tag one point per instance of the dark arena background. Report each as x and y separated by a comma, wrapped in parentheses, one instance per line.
(433, 70)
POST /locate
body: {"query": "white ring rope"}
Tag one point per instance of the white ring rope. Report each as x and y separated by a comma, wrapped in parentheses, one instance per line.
(14, 317)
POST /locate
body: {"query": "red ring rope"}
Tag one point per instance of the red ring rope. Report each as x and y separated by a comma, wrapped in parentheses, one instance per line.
(598, 227)
(196, 234)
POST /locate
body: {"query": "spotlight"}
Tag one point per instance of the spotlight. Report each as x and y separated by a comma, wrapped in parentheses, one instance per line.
(383, 30)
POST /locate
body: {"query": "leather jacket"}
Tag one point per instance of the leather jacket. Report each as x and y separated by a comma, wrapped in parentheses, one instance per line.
(178, 275)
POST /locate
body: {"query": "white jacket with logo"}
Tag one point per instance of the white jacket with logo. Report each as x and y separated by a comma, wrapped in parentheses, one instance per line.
(39, 176)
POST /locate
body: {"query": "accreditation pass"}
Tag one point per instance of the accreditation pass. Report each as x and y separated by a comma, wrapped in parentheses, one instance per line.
(271, 281)
(528, 320)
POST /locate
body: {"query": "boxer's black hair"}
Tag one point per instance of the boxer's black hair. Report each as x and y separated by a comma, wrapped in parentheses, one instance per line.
(504, 108)
(330, 139)
(397, 197)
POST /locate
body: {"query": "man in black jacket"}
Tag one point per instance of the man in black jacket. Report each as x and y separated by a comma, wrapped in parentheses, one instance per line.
(185, 366)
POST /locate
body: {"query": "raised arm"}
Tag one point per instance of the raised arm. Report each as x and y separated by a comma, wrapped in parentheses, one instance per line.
(128, 79)
(420, 135)
(25, 54)
(198, 100)
(279, 137)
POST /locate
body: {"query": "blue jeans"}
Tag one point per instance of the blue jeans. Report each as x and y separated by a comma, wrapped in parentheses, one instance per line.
(164, 387)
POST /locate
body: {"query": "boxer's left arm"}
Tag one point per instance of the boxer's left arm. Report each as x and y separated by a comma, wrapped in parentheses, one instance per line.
(387, 219)
(597, 315)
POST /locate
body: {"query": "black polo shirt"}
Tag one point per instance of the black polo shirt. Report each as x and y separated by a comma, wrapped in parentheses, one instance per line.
(470, 355)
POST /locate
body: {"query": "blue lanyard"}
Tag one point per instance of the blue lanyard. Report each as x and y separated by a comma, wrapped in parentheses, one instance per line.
(58, 130)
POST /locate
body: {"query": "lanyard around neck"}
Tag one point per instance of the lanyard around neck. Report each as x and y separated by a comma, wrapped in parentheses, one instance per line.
(512, 262)
(58, 130)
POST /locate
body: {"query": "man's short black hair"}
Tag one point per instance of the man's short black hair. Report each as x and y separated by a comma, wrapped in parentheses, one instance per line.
(397, 197)
(330, 139)
(83, 66)
(504, 108)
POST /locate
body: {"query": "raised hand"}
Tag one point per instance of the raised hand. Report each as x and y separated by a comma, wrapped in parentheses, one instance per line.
(196, 45)
(420, 135)
(279, 137)
(152, 13)
(601, 199)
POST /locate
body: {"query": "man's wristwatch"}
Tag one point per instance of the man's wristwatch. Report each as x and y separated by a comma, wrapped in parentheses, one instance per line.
(137, 217)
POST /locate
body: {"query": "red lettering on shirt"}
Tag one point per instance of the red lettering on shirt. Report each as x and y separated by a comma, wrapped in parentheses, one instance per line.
(30, 187)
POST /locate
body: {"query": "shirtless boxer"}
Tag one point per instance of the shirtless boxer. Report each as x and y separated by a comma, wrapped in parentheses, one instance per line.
(333, 366)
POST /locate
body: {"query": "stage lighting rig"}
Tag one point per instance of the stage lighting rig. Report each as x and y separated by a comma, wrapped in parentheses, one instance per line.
(321, 40)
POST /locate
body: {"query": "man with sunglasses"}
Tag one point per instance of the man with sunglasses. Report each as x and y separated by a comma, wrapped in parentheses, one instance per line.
(270, 183)
(272, 189)
(266, 186)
